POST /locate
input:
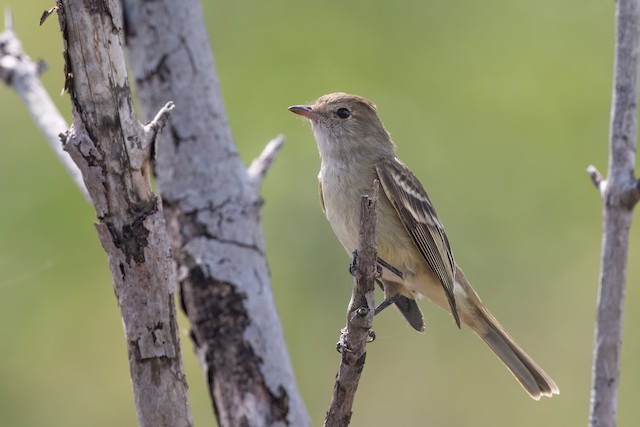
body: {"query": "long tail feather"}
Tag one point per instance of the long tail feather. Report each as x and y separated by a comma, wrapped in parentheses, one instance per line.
(474, 314)
(534, 380)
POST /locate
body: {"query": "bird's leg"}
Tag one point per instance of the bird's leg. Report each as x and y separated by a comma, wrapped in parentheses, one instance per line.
(391, 268)
(386, 303)
(341, 345)
(381, 263)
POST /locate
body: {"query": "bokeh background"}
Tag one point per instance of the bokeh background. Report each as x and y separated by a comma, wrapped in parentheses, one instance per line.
(497, 106)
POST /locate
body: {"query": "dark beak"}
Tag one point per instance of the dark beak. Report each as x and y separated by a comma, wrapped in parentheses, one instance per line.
(304, 111)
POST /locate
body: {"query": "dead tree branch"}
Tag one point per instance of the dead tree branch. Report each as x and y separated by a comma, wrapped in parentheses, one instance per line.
(261, 164)
(112, 150)
(20, 73)
(620, 193)
(354, 336)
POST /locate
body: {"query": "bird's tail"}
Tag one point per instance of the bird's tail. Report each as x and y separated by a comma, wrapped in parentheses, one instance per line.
(531, 376)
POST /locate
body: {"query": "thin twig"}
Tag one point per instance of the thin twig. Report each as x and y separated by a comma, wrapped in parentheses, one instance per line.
(142, 155)
(154, 126)
(261, 164)
(597, 179)
(354, 336)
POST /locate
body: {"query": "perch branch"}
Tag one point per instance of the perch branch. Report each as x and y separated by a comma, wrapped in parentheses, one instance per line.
(354, 336)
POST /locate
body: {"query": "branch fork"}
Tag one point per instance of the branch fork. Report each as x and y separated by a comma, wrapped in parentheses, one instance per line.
(151, 130)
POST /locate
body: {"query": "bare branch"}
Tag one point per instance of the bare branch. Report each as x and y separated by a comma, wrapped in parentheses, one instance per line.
(106, 137)
(47, 13)
(142, 151)
(261, 164)
(620, 194)
(20, 73)
(354, 336)
(152, 128)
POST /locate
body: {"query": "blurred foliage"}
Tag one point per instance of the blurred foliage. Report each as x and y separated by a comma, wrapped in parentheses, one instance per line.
(497, 106)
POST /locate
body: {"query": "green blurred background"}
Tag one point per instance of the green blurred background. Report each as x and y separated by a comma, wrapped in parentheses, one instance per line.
(497, 106)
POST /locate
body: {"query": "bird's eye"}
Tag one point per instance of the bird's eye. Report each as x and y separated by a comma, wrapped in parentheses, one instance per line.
(343, 113)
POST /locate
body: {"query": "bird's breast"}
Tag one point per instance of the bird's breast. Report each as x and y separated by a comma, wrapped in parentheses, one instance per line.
(342, 188)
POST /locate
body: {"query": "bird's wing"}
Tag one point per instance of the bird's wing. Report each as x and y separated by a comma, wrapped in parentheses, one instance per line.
(421, 222)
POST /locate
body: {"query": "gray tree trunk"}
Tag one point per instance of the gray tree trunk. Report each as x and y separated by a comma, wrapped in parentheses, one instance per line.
(212, 207)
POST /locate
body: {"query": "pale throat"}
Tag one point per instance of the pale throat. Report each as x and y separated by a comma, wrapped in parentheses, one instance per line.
(336, 145)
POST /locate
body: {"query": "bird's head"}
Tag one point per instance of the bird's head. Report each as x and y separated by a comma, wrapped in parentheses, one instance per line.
(344, 123)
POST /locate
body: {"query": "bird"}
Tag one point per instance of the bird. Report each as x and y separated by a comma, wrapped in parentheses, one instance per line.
(414, 253)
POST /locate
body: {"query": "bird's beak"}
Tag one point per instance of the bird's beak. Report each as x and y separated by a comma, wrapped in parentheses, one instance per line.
(304, 111)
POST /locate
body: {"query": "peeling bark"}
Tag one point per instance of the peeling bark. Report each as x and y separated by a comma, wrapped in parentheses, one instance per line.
(112, 150)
